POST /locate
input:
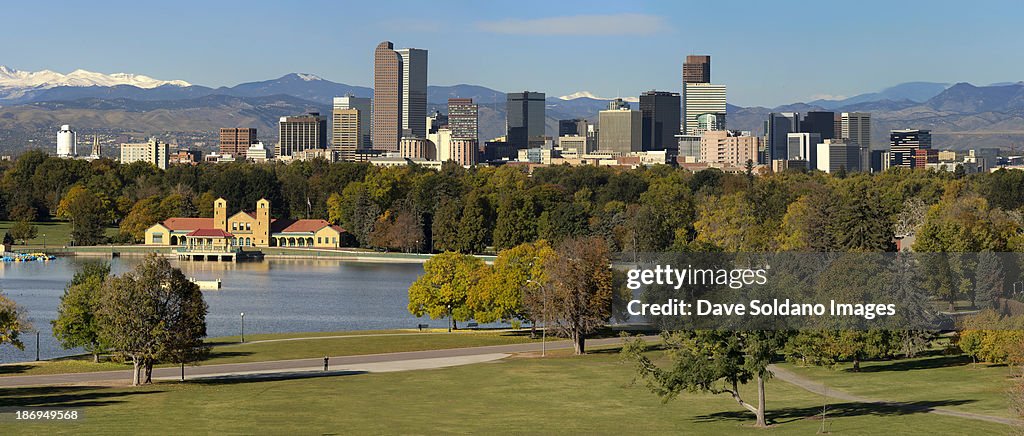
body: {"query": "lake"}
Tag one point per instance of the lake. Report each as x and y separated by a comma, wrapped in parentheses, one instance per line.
(276, 295)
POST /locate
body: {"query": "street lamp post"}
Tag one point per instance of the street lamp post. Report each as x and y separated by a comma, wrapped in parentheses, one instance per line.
(44, 241)
(544, 333)
(243, 327)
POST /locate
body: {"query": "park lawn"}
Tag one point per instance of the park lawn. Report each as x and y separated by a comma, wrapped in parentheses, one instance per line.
(57, 234)
(979, 388)
(318, 344)
(567, 395)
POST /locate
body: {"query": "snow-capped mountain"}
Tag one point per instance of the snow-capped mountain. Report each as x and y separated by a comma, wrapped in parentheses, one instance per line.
(588, 94)
(14, 79)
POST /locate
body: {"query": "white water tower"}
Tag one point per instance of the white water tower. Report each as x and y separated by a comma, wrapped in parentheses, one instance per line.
(67, 142)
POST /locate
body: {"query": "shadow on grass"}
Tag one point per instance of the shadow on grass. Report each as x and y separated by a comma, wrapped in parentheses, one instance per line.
(214, 354)
(836, 410)
(277, 376)
(65, 396)
(908, 365)
(14, 369)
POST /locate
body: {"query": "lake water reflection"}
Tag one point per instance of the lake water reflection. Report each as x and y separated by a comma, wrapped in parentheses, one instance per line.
(276, 295)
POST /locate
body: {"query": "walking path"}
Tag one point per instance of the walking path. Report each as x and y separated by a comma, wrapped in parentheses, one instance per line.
(820, 389)
(313, 338)
(401, 361)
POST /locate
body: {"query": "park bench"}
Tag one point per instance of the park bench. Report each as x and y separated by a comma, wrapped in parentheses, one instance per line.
(422, 326)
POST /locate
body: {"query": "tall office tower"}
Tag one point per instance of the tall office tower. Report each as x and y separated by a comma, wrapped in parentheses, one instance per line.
(414, 92)
(435, 121)
(463, 118)
(346, 131)
(836, 154)
(659, 111)
(710, 123)
(361, 104)
(236, 140)
(697, 69)
(776, 131)
(617, 104)
(822, 123)
(301, 133)
(857, 128)
(620, 131)
(67, 142)
(524, 119)
(904, 144)
(803, 146)
(572, 127)
(387, 97)
(699, 99)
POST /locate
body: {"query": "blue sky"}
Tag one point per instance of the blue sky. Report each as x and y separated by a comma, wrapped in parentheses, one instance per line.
(767, 52)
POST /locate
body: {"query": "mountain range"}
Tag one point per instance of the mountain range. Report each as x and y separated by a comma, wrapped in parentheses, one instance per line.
(961, 115)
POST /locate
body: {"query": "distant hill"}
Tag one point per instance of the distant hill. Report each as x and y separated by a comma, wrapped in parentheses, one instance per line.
(913, 91)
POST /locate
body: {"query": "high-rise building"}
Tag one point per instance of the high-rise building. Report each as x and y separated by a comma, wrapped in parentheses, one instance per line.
(620, 131)
(387, 97)
(856, 128)
(463, 118)
(524, 119)
(236, 140)
(776, 133)
(822, 123)
(417, 148)
(710, 122)
(301, 133)
(414, 92)
(463, 152)
(361, 104)
(659, 112)
(697, 69)
(67, 142)
(346, 133)
(153, 151)
(572, 127)
(802, 146)
(699, 99)
(904, 144)
(838, 154)
(436, 121)
(617, 103)
(728, 148)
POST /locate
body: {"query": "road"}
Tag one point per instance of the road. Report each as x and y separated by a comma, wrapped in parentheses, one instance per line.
(376, 362)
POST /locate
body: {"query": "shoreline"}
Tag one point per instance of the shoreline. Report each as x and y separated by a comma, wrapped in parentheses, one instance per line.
(267, 253)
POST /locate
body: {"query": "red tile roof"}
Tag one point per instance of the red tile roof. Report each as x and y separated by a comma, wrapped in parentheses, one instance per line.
(209, 233)
(188, 223)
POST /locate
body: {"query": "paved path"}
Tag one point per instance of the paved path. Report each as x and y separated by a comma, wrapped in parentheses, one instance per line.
(370, 335)
(820, 389)
(444, 357)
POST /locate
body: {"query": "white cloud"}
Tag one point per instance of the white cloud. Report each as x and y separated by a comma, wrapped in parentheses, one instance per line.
(617, 24)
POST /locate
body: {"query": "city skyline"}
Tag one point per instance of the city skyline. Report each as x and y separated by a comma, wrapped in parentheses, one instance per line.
(654, 36)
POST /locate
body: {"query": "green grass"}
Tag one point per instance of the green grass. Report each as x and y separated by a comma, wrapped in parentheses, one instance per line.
(57, 234)
(564, 395)
(982, 388)
(228, 350)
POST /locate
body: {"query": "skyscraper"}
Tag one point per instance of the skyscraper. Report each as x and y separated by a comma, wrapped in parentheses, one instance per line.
(699, 99)
(387, 97)
(572, 127)
(361, 104)
(904, 144)
(620, 131)
(301, 133)
(660, 120)
(822, 123)
(524, 119)
(856, 127)
(463, 118)
(776, 133)
(697, 69)
(414, 92)
(67, 142)
(236, 140)
(346, 129)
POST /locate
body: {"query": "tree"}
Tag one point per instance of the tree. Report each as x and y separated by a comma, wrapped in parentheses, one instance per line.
(714, 361)
(516, 220)
(445, 226)
(153, 312)
(579, 288)
(8, 239)
(143, 215)
(989, 280)
(13, 322)
(86, 213)
(77, 324)
(23, 231)
(511, 289)
(442, 290)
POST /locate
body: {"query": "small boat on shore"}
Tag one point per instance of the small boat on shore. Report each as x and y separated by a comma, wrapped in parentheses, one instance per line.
(206, 285)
